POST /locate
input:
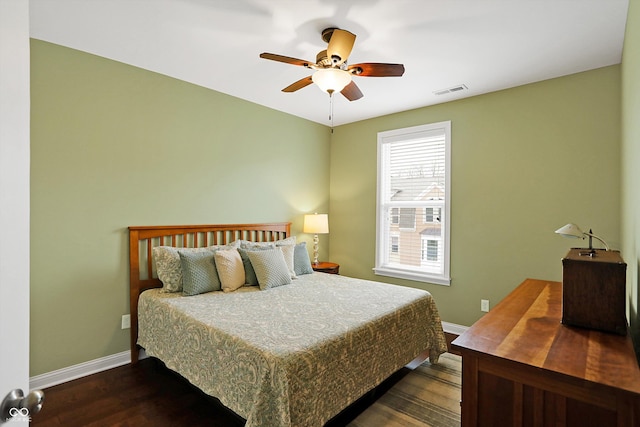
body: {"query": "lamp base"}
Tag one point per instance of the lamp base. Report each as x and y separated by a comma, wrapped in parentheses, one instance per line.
(315, 248)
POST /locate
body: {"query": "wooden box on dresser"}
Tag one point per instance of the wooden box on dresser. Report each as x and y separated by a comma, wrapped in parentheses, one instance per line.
(594, 290)
(522, 367)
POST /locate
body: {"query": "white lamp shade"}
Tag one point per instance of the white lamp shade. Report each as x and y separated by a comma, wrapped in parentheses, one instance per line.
(571, 230)
(331, 79)
(316, 224)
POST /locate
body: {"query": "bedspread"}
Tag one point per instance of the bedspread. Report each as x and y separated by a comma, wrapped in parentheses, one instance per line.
(294, 355)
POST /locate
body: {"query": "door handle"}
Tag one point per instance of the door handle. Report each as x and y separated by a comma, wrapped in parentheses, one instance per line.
(17, 404)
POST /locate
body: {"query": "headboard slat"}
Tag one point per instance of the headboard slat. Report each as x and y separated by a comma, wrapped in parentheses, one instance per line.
(149, 266)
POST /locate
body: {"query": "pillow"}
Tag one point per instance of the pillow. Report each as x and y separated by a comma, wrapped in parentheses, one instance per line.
(246, 244)
(168, 265)
(233, 245)
(249, 272)
(230, 269)
(287, 246)
(270, 267)
(301, 261)
(199, 274)
(288, 253)
(285, 242)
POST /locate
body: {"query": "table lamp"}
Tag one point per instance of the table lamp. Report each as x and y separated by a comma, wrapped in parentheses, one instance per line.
(574, 232)
(316, 224)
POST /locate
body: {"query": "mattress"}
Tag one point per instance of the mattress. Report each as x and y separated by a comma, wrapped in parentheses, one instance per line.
(294, 355)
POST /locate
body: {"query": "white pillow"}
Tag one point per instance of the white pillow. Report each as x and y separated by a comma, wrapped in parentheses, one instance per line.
(288, 252)
(288, 241)
(230, 269)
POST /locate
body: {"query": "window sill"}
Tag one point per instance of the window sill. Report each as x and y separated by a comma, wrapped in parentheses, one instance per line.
(412, 275)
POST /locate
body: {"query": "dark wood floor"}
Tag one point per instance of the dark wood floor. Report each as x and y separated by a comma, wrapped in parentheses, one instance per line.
(145, 394)
(148, 394)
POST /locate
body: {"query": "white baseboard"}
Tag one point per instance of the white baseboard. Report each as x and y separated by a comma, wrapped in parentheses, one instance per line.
(453, 328)
(80, 370)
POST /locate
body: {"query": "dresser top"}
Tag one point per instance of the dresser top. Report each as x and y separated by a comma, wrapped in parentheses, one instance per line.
(525, 327)
(594, 256)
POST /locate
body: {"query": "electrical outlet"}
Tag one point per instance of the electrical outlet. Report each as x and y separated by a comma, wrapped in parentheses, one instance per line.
(484, 305)
(126, 321)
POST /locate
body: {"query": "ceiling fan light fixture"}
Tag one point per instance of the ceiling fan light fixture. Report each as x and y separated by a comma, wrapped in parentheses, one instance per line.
(331, 79)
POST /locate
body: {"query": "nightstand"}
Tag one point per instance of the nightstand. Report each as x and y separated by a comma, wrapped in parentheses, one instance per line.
(326, 267)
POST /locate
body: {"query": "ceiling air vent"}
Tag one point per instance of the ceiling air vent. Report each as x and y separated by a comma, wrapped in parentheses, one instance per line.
(451, 90)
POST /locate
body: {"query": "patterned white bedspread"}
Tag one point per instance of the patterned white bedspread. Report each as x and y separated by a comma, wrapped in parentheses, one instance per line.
(294, 355)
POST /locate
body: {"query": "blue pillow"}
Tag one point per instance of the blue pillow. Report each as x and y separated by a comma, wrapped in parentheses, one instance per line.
(199, 273)
(301, 261)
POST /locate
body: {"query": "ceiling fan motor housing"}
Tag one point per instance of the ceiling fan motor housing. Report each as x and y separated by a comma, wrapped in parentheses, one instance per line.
(322, 59)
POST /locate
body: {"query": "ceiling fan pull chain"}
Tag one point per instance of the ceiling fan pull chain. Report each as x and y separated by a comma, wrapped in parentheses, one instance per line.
(331, 109)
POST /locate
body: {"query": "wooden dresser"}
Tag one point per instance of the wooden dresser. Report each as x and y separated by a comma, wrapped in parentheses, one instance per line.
(522, 367)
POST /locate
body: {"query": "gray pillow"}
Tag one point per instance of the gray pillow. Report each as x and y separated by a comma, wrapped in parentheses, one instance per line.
(249, 272)
(301, 261)
(270, 267)
(199, 273)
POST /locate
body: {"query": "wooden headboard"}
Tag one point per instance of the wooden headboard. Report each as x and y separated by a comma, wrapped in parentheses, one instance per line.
(142, 240)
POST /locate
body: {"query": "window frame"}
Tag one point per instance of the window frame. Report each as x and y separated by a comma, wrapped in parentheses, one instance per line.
(383, 209)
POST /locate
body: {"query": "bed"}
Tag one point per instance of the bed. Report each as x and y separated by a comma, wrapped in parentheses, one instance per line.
(290, 355)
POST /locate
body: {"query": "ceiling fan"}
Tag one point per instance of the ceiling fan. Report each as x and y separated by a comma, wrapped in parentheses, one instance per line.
(332, 72)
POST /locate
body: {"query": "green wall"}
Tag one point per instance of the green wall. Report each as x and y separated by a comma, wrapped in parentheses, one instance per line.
(114, 146)
(630, 162)
(525, 161)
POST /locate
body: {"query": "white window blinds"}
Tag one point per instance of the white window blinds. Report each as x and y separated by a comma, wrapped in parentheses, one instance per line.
(412, 205)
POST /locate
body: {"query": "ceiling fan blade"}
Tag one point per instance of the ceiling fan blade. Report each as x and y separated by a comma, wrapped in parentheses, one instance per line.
(340, 46)
(376, 69)
(298, 85)
(286, 59)
(352, 92)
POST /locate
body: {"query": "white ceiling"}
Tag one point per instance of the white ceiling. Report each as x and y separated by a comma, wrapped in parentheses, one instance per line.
(487, 45)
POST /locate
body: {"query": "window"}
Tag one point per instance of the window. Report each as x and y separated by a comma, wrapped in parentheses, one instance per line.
(395, 241)
(430, 252)
(407, 219)
(395, 216)
(412, 236)
(432, 215)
